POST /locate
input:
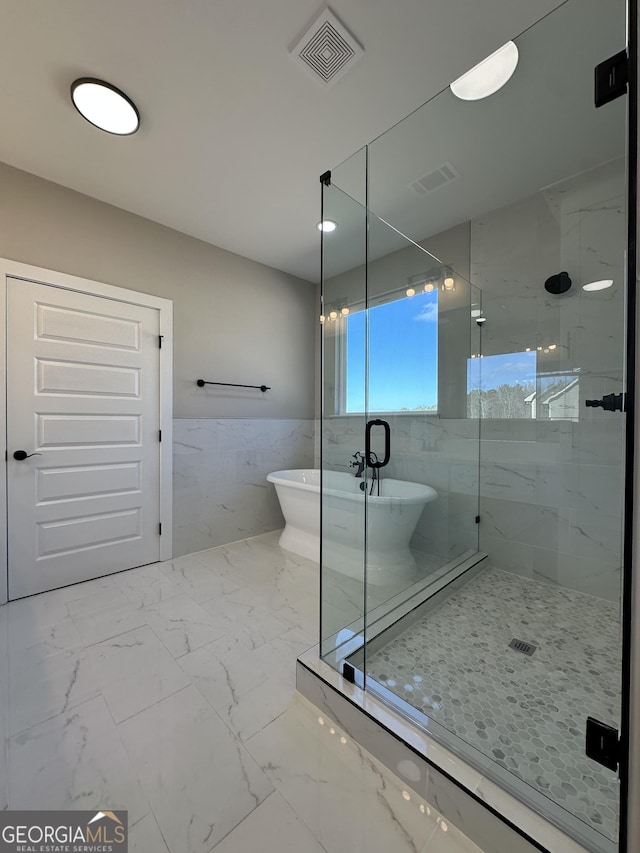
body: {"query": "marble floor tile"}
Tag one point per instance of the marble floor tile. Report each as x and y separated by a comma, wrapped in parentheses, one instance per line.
(258, 707)
(104, 597)
(182, 625)
(447, 839)
(36, 613)
(223, 675)
(94, 627)
(169, 691)
(200, 781)
(145, 837)
(148, 585)
(135, 671)
(75, 760)
(272, 827)
(340, 792)
(251, 624)
(28, 642)
(201, 580)
(47, 687)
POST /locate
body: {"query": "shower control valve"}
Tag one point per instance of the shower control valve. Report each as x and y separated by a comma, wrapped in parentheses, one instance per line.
(358, 462)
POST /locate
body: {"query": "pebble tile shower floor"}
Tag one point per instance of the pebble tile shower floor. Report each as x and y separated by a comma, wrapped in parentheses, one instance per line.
(527, 713)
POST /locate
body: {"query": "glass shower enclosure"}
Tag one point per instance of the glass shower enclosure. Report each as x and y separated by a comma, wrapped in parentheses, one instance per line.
(473, 335)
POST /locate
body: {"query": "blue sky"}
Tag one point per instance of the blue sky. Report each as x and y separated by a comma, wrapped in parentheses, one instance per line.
(403, 355)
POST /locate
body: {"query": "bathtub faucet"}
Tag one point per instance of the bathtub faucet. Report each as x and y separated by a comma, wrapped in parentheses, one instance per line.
(358, 463)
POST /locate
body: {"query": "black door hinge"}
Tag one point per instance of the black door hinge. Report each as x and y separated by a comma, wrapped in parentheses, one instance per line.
(160, 528)
(477, 519)
(325, 178)
(609, 402)
(602, 743)
(349, 672)
(159, 435)
(611, 78)
(160, 337)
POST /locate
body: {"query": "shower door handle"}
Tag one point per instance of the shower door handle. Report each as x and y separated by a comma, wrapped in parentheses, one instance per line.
(376, 463)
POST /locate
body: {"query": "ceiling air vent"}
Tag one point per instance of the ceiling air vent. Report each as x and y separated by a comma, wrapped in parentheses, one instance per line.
(326, 49)
(434, 180)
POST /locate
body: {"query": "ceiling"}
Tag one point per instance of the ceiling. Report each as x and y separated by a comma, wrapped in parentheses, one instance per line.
(540, 129)
(234, 133)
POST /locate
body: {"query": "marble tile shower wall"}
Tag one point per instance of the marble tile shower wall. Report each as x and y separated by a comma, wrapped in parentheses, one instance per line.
(220, 493)
(551, 490)
(439, 452)
(550, 502)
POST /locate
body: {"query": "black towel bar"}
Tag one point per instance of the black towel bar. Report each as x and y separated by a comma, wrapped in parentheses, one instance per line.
(201, 383)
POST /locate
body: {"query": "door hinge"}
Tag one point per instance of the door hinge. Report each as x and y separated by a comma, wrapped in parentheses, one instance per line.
(159, 435)
(610, 403)
(477, 519)
(611, 78)
(160, 337)
(349, 672)
(602, 743)
(325, 178)
(160, 528)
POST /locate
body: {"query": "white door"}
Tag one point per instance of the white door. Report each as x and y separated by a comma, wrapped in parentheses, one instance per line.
(83, 375)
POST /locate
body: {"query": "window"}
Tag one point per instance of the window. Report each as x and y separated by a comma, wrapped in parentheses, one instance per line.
(403, 356)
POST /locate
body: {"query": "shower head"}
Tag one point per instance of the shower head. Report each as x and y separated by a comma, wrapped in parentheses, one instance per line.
(558, 283)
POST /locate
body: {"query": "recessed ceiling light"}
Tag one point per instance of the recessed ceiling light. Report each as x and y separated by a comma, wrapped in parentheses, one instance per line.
(487, 76)
(327, 225)
(104, 106)
(598, 285)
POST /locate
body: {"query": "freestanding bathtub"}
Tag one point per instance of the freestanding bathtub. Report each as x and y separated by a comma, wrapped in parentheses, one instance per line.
(391, 520)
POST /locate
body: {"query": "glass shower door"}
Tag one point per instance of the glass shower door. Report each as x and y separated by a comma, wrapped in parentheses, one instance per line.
(506, 665)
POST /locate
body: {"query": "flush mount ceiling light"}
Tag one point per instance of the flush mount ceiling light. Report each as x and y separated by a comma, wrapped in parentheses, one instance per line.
(104, 106)
(327, 225)
(487, 76)
(598, 285)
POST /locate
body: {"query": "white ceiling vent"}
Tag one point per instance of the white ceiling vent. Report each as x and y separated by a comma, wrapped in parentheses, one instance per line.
(434, 180)
(326, 49)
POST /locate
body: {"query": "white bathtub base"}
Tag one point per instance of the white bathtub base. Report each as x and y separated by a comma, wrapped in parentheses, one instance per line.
(383, 568)
(300, 542)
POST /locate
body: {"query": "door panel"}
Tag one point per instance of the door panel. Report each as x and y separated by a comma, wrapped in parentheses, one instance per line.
(88, 481)
(83, 393)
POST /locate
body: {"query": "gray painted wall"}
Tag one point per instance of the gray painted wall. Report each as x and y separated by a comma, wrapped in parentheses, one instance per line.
(235, 320)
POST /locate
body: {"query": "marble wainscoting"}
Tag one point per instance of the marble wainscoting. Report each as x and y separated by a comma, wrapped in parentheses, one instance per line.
(220, 492)
(551, 501)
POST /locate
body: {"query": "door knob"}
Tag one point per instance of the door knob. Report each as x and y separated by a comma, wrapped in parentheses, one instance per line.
(21, 455)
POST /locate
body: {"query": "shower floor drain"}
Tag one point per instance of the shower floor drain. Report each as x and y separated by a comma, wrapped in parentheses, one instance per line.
(521, 646)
